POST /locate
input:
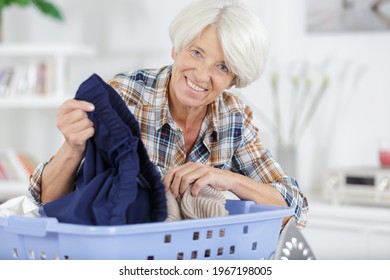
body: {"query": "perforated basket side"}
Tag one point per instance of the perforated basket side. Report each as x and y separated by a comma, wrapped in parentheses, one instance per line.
(29, 238)
(10, 243)
(249, 232)
(237, 240)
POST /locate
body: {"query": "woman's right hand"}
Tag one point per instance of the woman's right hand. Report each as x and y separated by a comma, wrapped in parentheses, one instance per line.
(74, 124)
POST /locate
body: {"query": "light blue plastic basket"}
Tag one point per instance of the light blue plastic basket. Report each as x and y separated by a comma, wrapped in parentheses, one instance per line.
(249, 232)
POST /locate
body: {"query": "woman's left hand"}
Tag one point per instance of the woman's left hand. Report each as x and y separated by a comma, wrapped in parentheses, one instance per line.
(197, 175)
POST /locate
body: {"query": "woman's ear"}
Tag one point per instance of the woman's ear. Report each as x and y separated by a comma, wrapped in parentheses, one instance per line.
(173, 54)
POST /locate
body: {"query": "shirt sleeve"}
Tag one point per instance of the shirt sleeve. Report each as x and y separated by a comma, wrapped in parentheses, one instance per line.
(253, 160)
(35, 183)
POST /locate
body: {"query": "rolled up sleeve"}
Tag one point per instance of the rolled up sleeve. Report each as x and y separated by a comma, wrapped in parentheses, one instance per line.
(35, 183)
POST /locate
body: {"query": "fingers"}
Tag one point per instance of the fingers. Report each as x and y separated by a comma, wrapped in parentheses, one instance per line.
(74, 104)
(214, 177)
(173, 178)
(180, 178)
(74, 124)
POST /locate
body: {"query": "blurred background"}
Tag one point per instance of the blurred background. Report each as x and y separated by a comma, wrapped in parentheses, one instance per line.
(326, 81)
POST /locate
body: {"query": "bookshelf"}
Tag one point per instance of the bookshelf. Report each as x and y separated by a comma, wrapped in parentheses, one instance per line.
(31, 102)
(33, 84)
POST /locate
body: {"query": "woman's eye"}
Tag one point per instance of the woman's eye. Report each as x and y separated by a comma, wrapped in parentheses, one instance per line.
(196, 53)
(223, 68)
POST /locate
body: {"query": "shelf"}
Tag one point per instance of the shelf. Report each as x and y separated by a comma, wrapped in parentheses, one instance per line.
(360, 214)
(20, 129)
(46, 50)
(11, 189)
(31, 102)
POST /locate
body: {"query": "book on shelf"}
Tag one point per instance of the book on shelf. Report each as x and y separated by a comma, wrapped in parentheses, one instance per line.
(34, 78)
(15, 166)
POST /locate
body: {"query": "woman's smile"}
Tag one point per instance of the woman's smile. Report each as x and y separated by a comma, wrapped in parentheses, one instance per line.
(195, 87)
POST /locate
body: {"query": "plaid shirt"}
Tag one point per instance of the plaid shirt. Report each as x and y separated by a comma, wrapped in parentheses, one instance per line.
(227, 139)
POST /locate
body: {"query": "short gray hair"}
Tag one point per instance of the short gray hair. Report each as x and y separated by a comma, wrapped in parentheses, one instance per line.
(242, 35)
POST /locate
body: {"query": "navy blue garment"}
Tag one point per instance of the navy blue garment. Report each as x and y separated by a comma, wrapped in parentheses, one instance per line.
(117, 183)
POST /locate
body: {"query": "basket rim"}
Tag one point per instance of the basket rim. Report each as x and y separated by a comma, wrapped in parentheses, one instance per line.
(43, 225)
(161, 227)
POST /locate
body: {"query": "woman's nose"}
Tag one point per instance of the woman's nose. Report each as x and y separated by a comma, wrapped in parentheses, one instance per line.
(203, 72)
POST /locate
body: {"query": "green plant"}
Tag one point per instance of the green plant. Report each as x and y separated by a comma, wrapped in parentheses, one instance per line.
(43, 6)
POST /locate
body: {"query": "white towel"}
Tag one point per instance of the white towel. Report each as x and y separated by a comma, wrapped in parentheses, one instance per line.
(19, 206)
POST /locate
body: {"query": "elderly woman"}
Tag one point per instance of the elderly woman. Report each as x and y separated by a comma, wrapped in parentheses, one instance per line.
(196, 133)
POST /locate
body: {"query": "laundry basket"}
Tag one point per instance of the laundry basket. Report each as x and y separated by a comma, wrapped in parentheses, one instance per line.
(250, 231)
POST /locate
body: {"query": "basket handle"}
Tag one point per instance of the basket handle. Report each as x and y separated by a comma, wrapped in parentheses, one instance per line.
(29, 226)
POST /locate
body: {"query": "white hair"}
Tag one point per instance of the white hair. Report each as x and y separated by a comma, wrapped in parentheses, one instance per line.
(242, 35)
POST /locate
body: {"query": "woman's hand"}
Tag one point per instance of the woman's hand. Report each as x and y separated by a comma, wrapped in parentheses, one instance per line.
(74, 124)
(197, 175)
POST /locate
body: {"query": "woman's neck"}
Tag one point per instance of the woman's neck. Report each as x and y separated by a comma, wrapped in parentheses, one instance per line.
(186, 117)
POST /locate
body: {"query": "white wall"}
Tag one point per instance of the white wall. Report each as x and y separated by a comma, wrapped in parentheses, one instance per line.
(130, 34)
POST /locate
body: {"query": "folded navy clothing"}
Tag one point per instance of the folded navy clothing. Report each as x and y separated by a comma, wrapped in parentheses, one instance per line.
(117, 183)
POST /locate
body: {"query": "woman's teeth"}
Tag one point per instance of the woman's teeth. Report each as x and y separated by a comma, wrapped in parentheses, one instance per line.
(195, 87)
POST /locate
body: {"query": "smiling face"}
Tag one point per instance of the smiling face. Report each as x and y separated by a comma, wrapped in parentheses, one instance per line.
(199, 73)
